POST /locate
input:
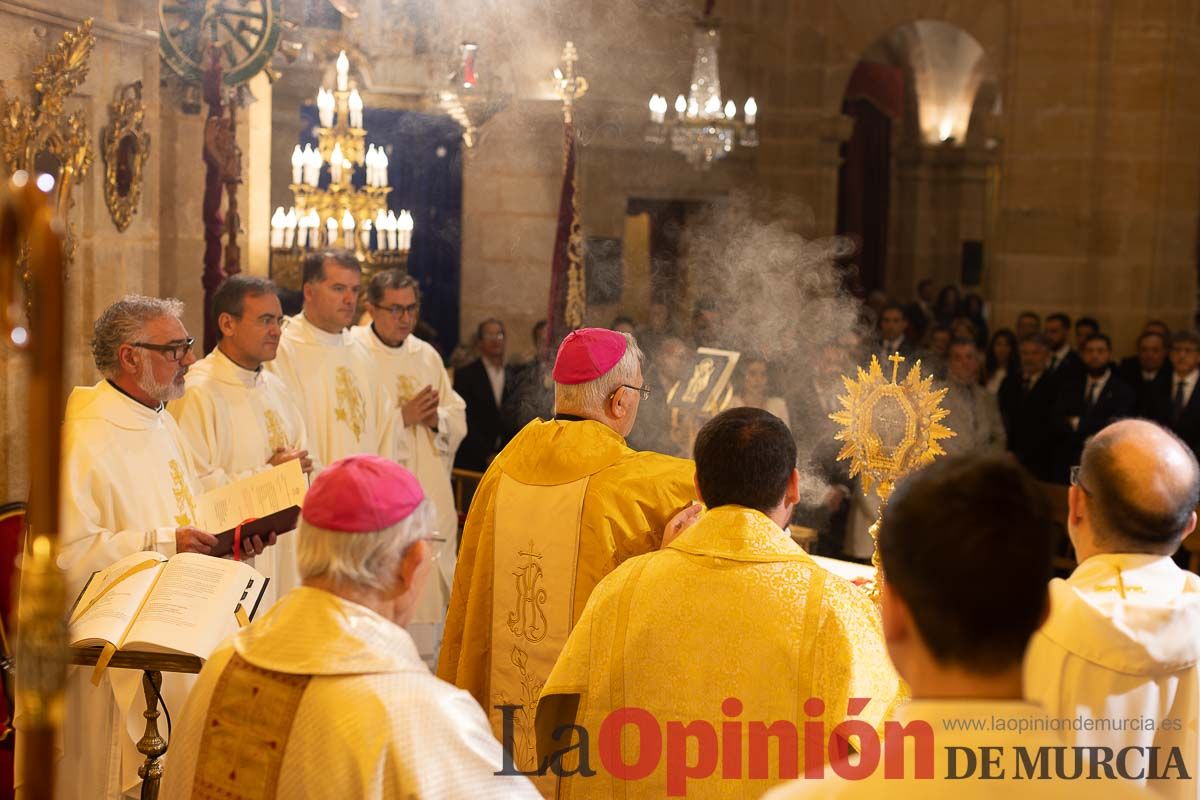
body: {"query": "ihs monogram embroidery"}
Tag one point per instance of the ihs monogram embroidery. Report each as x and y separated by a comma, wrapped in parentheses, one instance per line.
(276, 436)
(183, 495)
(351, 408)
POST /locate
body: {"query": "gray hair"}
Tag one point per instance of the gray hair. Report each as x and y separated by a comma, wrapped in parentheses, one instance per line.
(391, 279)
(590, 396)
(365, 560)
(122, 323)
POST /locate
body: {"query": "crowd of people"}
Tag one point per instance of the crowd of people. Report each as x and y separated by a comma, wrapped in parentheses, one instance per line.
(605, 595)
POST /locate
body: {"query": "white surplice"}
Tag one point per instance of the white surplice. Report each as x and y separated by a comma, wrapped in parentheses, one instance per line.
(405, 371)
(330, 379)
(1122, 644)
(372, 723)
(127, 482)
(233, 419)
(965, 724)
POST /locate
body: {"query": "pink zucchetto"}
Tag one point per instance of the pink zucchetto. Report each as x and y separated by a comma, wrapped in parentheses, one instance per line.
(361, 494)
(588, 353)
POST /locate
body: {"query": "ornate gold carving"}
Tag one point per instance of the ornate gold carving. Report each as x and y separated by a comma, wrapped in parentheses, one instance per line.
(351, 408)
(528, 620)
(43, 127)
(889, 429)
(125, 147)
(276, 435)
(183, 495)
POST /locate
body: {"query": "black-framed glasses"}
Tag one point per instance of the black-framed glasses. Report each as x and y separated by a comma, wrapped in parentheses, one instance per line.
(399, 311)
(644, 391)
(172, 351)
(1075, 478)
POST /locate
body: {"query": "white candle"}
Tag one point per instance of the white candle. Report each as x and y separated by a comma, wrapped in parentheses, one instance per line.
(381, 165)
(302, 233)
(312, 166)
(364, 235)
(277, 227)
(751, 110)
(348, 229)
(325, 108)
(335, 164)
(369, 162)
(314, 223)
(680, 105)
(343, 71)
(405, 225)
(297, 164)
(356, 109)
(730, 110)
(289, 228)
(391, 230)
(331, 231)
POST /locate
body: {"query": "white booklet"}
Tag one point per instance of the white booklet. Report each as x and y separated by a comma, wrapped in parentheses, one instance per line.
(148, 603)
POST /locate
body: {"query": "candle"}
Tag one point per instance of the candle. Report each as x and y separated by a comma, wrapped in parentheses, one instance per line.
(343, 71)
(364, 235)
(277, 227)
(335, 164)
(302, 232)
(391, 230)
(751, 110)
(405, 225)
(312, 166)
(348, 229)
(331, 231)
(680, 105)
(314, 223)
(712, 106)
(381, 165)
(356, 109)
(289, 228)
(730, 110)
(297, 164)
(325, 108)
(369, 162)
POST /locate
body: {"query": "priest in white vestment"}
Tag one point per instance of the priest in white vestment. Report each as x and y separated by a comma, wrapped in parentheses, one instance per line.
(424, 429)
(329, 377)
(966, 551)
(240, 419)
(326, 696)
(1123, 639)
(128, 485)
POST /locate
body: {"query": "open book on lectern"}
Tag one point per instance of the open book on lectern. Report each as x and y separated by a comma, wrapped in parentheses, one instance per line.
(151, 604)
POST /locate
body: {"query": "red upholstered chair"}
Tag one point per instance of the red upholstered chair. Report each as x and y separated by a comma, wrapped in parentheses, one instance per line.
(12, 531)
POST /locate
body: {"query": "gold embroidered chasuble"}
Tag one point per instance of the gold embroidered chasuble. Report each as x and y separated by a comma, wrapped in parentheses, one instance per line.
(733, 608)
(560, 507)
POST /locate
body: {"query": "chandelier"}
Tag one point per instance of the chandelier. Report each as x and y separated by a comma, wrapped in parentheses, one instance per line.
(467, 100)
(351, 211)
(703, 129)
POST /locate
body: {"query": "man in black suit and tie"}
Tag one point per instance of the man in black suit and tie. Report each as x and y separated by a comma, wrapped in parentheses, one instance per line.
(483, 384)
(1149, 373)
(1064, 363)
(1180, 410)
(1027, 401)
(893, 333)
(1088, 403)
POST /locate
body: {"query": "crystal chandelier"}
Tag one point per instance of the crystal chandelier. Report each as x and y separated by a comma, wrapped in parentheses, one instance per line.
(345, 214)
(703, 129)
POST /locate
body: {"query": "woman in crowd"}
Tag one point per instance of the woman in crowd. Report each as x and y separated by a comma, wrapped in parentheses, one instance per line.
(751, 388)
(1002, 359)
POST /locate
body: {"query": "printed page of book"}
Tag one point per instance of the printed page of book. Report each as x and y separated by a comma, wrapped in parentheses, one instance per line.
(99, 621)
(256, 496)
(191, 607)
(849, 570)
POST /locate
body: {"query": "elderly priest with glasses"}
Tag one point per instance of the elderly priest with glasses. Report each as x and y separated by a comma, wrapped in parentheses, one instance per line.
(326, 696)
(559, 508)
(128, 485)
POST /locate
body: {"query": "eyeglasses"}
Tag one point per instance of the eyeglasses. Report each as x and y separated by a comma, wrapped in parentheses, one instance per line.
(172, 351)
(1075, 478)
(644, 391)
(493, 337)
(399, 311)
(436, 552)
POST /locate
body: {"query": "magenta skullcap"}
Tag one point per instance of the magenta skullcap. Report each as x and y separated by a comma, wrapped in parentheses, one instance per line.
(361, 494)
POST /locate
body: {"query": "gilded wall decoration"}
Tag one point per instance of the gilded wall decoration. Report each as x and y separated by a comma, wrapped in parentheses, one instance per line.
(125, 146)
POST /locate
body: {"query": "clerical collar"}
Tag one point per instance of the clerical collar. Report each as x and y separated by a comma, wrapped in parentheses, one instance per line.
(134, 399)
(375, 333)
(571, 418)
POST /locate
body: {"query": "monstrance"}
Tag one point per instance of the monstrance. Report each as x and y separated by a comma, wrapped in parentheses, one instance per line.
(889, 428)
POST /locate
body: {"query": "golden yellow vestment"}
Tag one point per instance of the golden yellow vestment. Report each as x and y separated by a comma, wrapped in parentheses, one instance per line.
(733, 608)
(561, 506)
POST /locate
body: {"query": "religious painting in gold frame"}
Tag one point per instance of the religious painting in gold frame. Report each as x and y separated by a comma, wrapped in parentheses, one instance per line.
(889, 428)
(125, 146)
(707, 388)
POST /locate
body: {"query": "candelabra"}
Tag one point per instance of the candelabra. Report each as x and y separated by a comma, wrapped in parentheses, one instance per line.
(344, 213)
(703, 130)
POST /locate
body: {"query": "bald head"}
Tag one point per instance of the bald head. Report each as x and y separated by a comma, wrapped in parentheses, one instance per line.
(1142, 483)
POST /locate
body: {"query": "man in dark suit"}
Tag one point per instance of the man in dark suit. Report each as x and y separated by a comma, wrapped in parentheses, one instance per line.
(1149, 373)
(893, 334)
(1180, 409)
(483, 384)
(1027, 401)
(920, 311)
(1088, 403)
(1064, 363)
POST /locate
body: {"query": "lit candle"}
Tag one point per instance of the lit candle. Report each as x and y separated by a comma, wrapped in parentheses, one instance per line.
(302, 231)
(369, 161)
(335, 164)
(343, 71)
(312, 165)
(405, 226)
(730, 110)
(391, 229)
(693, 108)
(314, 224)
(712, 106)
(348, 229)
(325, 108)
(381, 163)
(751, 110)
(680, 105)
(356, 107)
(277, 227)
(331, 232)
(364, 235)
(297, 165)
(289, 227)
